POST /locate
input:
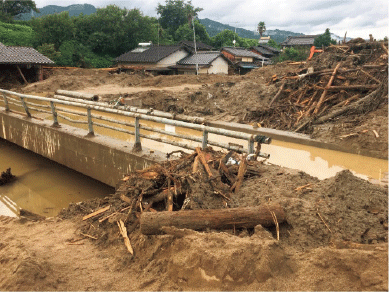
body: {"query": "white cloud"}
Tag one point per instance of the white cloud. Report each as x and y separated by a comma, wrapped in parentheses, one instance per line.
(358, 17)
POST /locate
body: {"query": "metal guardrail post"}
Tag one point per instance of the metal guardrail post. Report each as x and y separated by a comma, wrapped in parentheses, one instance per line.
(90, 122)
(138, 145)
(6, 102)
(251, 145)
(55, 119)
(205, 139)
(25, 107)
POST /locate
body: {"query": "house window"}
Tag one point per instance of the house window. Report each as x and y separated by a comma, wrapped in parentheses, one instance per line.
(246, 59)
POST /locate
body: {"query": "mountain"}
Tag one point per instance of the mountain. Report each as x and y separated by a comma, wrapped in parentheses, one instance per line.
(214, 27)
(74, 10)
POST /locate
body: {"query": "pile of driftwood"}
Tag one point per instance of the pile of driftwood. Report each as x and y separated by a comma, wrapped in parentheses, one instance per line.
(193, 192)
(349, 78)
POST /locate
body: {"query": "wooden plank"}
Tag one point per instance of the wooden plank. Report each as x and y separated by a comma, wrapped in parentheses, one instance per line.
(98, 212)
(123, 232)
(203, 161)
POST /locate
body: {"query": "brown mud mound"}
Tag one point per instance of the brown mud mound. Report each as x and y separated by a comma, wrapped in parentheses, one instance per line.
(56, 256)
(334, 237)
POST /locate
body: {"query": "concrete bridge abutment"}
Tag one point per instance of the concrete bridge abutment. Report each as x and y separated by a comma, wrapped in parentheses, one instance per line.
(100, 157)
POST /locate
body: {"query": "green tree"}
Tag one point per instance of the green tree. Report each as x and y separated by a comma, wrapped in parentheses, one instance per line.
(53, 29)
(16, 34)
(49, 51)
(292, 54)
(225, 38)
(176, 13)
(274, 44)
(185, 32)
(261, 28)
(12, 8)
(324, 39)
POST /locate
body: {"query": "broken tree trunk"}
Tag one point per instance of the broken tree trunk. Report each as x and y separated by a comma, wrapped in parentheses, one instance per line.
(360, 106)
(278, 94)
(151, 223)
(322, 97)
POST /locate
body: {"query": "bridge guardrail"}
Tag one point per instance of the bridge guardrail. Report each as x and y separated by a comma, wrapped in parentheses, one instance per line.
(53, 110)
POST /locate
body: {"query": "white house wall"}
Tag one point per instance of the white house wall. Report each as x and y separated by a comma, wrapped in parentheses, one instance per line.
(218, 66)
(172, 59)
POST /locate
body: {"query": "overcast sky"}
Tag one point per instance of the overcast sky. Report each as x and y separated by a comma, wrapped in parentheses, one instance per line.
(358, 17)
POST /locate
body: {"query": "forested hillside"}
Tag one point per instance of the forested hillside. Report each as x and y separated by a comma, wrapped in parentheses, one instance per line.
(74, 10)
(214, 27)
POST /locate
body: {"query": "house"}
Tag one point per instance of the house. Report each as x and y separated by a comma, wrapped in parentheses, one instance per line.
(300, 41)
(206, 62)
(26, 61)
(264, 40)
(199, 46)
(265, 51)
(155, 58)
(242, 60)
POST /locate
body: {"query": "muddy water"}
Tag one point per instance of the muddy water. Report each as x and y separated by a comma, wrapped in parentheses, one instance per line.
(317, 162)
(42, 186)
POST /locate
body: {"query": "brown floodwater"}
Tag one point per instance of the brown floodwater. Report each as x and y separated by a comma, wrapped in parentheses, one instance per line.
(42, 186)
(318, 162)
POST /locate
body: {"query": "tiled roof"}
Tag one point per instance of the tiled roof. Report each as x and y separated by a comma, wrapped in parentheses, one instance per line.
(153, 55)
(269, 48)
(262, 50)
(201, 58)
(199, 45)
(240, 52)
(303, 40)
(22, 55)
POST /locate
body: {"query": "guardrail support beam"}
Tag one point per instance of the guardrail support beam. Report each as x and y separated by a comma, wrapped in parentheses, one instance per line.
(137, 145)
(25, 107)
(90, 122)
(6, 102)
(205, 139)
(55, 119)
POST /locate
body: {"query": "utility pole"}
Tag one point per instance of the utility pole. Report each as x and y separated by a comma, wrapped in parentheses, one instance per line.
(195, 46)
(234, 41)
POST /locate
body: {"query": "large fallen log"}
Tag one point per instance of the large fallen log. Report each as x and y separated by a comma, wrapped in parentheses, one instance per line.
(152, 222)
(74, 94)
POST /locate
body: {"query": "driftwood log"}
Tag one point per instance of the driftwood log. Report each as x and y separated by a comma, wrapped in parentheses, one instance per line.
(80, 95)
(152, 222)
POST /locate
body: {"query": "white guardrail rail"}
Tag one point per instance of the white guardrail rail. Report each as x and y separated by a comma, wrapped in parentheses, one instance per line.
(194, 123)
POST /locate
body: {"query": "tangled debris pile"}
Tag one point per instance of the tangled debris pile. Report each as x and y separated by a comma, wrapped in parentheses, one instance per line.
(346, 79)
(304, 212)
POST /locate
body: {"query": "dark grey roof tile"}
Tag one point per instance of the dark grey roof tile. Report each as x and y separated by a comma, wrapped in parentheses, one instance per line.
(201, 58)
(152, 55)
(22, 55)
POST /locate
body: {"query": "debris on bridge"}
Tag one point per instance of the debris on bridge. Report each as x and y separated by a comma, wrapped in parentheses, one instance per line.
(346, 79)
(6, 177)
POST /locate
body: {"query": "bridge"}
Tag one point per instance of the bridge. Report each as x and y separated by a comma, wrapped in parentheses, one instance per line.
(38, 124)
